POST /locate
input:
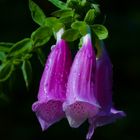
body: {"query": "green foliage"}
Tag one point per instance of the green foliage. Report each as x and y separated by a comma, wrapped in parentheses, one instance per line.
(78, 24)
(76, 17)
(81, 26)
(57, 26)
(67, 21)
(80, 43)
(84, 30)
(37, 13)
(90, 16)
(2, 56)
(73, 4)
(5, 46)
(96, 7)
(41, 36)
(59, 4)
(41, 56)
(63, 13)
(51, 21)
(27, 72)
(71, 35)
(6, 70)
(100, 31)
(21, 47)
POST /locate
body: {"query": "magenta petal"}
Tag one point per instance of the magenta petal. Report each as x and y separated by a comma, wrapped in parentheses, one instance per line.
(52, 90)
(80, 101)
(103, 84)
(108, 118)
(103, 119)
(48, 112)
(91, 130)
(78, 112)
(104, 80)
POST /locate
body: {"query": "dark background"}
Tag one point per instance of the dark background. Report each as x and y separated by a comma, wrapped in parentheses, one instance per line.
(18, 122)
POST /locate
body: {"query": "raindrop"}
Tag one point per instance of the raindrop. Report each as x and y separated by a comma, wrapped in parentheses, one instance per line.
(55, 74)
(61, 75)
(47, 67)
(46, 84)
(89, 56)
(49, 61)
(79, 74)
(58, 82)
(52, 48)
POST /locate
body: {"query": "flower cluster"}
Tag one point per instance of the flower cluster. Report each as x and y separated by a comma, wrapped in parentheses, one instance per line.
(80, 90)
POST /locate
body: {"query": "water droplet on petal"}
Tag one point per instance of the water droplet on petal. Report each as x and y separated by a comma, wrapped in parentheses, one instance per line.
(62, 75)
(79, 74)
(47, 67)
(52, 48)
(58, 82)
(89, 56)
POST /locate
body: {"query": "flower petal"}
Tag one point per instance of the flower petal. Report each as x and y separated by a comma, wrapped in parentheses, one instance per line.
(103, 119)
(52, 90)
(48, 112)
(80, 101)
(104, 80)
(107, 113)
(78, 112)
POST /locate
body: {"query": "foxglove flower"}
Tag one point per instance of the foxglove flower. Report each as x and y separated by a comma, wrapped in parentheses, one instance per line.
(80, 101)
(52, 90)
(107, 113)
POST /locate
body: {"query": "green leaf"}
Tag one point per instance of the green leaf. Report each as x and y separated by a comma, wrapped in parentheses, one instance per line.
(54, 23)
(41, 56)
(57, 27)
(81, 26)
(5, 46)
(37, 13)
(2, 56)
(90, 16)
(78, 24)
(21, 47)
(41, 36)
(63, 13)
(6, 70)
(59, 4)
(84, 30)
(66, 20)
(80, 42)
(96, 7)
(16, 61)
(51, 21)
(27, 72)
(26, 56)
(74, 4)
(71, 35)
(100, 30)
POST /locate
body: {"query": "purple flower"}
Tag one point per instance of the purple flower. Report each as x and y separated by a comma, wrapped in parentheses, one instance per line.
(107, 113)
(52, 90)
(80, 101)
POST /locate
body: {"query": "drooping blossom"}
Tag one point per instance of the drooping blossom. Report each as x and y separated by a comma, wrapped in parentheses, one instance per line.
(52, 90)
(81, 103)
(103, 84)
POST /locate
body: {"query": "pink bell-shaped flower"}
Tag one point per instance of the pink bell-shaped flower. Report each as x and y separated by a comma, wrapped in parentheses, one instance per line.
(52, 90)
(81, 103)
(103, 83)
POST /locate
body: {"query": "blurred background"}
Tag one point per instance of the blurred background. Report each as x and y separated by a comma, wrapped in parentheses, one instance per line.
(18, 122)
